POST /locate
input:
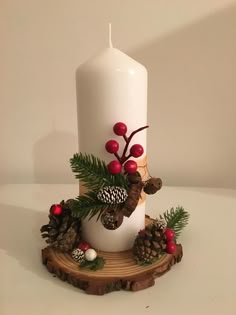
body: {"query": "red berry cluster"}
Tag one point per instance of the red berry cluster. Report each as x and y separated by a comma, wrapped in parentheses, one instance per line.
(112, 146)
(170, 245)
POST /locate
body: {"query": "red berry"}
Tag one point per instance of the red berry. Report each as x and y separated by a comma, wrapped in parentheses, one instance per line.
(56, 209)
(170, 234)
(114, 167)
(130, 166)
(136, 150)
(112, 146)
(120, 129)
(84, 246)
(170, 248)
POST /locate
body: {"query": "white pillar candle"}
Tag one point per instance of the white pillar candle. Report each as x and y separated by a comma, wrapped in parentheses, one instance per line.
(111, 88)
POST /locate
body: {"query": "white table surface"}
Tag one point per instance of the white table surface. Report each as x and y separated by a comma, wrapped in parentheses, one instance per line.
(203, 283)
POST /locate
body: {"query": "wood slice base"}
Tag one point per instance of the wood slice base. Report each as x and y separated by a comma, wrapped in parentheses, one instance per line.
(121, 272)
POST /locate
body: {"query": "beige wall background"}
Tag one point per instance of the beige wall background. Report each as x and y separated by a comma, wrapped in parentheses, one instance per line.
(189, 49)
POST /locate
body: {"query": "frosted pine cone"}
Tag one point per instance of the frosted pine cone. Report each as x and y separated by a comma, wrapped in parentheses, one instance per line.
(112, 195)
(78, 255)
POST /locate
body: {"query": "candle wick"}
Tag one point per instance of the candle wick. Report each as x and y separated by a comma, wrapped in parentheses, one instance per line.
(110, 41)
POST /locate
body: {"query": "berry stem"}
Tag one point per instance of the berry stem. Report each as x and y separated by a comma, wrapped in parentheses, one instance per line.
(117, 156)
(127, 140)
(127, 157)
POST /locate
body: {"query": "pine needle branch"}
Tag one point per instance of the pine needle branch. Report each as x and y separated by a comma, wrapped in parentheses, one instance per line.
(176, 219)
(88, 205)
(94, 172)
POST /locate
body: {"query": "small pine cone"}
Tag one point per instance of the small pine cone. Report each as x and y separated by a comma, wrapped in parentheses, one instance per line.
(134, 178)
(152, 185)
(112, 219)
(78, 255)
(112, 195)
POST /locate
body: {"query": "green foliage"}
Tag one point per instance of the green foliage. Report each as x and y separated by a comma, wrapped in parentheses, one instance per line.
(94, 175)
(96, 264)
(176, 219)
(94, 172)
(88, 205)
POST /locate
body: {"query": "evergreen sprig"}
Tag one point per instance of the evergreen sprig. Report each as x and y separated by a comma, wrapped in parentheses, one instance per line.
(88, 205)
(176, 219)
(94, 172)
(94, 265)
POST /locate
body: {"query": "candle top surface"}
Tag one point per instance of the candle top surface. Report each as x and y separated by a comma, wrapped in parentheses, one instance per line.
(113, 59)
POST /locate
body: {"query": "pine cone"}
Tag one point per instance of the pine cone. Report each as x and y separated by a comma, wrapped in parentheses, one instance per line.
(112, 195)
(150, 244)
(134, 178)
(112, 219)
(152, 185)
(63, 231)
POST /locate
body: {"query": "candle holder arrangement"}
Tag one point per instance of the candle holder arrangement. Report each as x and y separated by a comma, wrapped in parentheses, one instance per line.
(113, 192)
(102, 240)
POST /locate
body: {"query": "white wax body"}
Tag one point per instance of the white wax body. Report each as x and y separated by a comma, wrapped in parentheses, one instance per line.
(111, 87)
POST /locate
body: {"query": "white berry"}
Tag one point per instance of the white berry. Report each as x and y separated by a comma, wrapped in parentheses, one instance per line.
(90, 254)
